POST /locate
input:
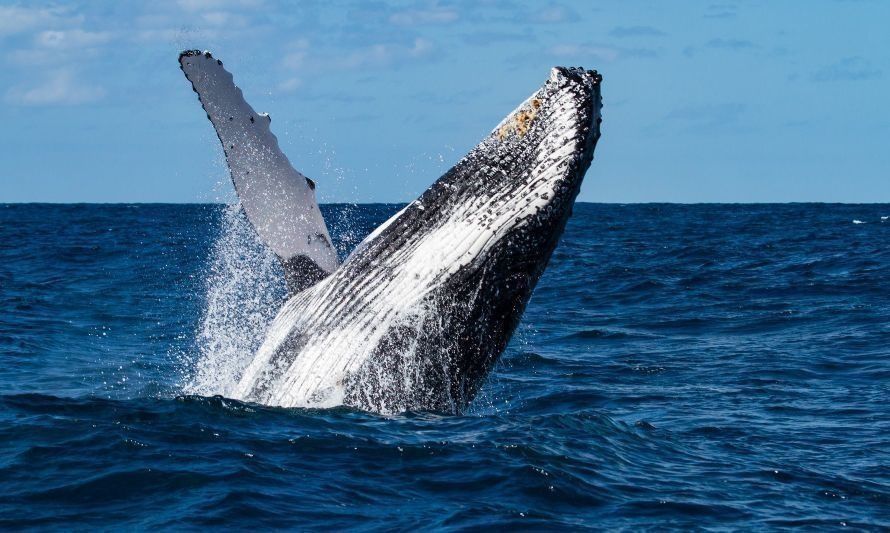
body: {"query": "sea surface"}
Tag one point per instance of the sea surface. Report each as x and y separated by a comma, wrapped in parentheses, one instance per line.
(679, 366)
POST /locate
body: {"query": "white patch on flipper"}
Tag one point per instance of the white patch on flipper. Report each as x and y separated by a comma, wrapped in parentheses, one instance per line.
(277, 199)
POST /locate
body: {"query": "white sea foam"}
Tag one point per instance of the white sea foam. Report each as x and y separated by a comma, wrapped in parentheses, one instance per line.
(244, 290)
(855, 221)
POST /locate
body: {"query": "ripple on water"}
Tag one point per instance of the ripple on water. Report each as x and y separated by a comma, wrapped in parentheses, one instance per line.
(683, 367)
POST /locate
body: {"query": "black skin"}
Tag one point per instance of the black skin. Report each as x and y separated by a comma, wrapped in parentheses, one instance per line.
(300, 273)
(438, 359)
(481, 305)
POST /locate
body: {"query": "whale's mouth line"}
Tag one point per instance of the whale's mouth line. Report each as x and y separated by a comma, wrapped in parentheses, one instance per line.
(418, 313)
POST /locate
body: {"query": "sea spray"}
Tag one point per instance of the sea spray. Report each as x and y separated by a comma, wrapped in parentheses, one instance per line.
(244, 289)
(789, 411)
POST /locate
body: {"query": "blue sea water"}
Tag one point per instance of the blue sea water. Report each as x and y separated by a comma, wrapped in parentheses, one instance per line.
(713, 366)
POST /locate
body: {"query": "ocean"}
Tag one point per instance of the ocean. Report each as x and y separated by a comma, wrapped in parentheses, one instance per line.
(679, 366)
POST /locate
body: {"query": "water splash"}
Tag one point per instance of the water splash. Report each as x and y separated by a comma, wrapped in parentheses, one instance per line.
(244, 290)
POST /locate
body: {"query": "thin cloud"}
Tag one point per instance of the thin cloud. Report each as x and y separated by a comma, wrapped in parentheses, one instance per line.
(847, 69)
(730, 44)
(226, 19)
(57, 48)
(377, 55)
(182, 37)
(297, 55)
(68, 39)
(416, 17)
(60, 88)
(215, 5)
(369, 15)
(636, 31)
(513, 13)
(386, 54)
(721, 44)
(605, 53)
(17, 19)
(289, 85)
(197, 21)
(721, 11)
(553, 14)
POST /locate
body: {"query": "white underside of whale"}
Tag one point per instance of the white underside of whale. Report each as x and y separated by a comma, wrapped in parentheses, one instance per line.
(339, 343)
(342, 320)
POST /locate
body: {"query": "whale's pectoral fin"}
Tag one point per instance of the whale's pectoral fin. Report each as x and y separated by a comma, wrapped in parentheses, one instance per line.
(278, 200)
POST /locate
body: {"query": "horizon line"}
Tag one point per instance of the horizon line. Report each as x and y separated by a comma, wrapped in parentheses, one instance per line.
(793, 202)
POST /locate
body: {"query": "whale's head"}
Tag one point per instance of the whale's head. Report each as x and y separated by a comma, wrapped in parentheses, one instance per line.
(462, 260)
(530, 168)
(526, 172)
(515, 190)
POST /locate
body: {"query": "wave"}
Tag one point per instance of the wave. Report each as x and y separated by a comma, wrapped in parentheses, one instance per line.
(244, 290)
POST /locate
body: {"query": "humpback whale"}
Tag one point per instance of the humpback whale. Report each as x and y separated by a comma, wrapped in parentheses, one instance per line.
(417, 315)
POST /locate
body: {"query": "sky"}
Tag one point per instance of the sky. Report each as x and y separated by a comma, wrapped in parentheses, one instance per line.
(755, 101)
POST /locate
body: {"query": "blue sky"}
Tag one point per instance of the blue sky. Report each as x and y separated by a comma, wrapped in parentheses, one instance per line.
(703, 101)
